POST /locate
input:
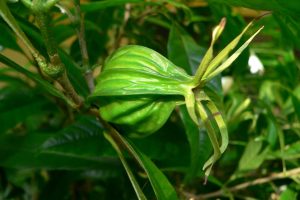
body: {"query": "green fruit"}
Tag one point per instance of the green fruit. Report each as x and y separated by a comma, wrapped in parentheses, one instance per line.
(138, 89)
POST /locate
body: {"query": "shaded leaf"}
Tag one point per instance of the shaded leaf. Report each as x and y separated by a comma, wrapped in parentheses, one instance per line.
(65, 150)
(42, 83)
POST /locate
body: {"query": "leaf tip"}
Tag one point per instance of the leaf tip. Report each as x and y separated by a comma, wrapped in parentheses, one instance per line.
(222, 22)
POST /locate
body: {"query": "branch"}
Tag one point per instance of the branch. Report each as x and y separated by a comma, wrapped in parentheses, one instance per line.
(56, 68)
(259, 181)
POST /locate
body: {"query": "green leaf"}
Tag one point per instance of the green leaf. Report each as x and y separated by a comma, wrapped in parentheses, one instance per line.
(162, 187)
(291, 151)
(289, 194)
(133, 181)
(296, 103)
(213, 70)
(183, 50)
(74, 73)
(10, 116)
(253, 156)
(7, 39)
(199, 145)
(80, 146)
(160, 184)
(10, 20)
(204, 65)
(290, 7)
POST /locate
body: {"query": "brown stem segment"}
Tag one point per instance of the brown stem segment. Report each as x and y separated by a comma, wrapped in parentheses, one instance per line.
(275, 176)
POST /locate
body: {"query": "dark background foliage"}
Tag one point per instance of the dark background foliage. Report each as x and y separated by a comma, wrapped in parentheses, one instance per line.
(49, 151)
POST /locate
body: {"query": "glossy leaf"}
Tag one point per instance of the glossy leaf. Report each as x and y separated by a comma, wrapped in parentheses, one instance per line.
(135, 184)
(160, 184)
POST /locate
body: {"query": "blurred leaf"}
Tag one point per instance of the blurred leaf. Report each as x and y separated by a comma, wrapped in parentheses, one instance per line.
(290, 7)
(11, 116)
(7, 39)
(288, 194)
(62, 32)
(253, 156)
(93, 6)
(44, 84)
(291, 151)
(296, 103)
(286, 13)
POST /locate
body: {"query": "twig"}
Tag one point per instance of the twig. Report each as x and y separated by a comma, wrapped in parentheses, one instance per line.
(120, 31)
(80, 31)
(274, 176)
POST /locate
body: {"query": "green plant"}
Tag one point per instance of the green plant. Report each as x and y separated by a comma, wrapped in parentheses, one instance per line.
(60, 125)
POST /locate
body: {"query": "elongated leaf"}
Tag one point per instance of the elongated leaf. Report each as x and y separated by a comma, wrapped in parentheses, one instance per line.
(162, 188)
(230, 60)
(225, 52)
(7, 39)
(185, 52)
(221, 124)
(160, 184)
(199, 143)
(10, 20)
(204, 65)
(133, 181)
(44, 84)
(25, 153)
(213, 138)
